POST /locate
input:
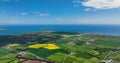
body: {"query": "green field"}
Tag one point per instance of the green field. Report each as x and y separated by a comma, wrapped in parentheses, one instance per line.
(74, 47)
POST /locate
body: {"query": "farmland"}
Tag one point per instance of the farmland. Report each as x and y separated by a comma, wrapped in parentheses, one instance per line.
(59, 47)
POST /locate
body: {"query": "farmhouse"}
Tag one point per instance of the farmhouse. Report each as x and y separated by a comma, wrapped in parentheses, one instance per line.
(71, 44)
(108, 61)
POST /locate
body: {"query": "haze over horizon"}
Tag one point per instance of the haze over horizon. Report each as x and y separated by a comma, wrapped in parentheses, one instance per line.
(16, 12)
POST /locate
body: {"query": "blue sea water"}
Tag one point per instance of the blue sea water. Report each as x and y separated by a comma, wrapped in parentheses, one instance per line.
(101, 29)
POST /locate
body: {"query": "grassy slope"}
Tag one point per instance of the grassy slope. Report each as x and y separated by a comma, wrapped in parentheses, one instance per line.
(105, 44)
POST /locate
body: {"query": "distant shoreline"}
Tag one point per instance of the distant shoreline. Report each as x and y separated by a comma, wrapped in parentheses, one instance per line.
(60, 32)
(100, 29)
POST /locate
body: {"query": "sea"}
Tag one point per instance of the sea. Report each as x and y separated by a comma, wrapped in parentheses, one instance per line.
(98, 29)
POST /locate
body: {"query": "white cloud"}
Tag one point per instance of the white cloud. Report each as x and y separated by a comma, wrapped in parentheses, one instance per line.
(35, 12)
(24, 13)
(76, 1)
(102, 4)
(41, 14)
(87, 9)
(44, 14)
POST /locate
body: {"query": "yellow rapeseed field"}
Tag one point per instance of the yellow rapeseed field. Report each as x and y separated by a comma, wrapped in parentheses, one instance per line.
(12, 45)
(36, 45)
(51, 46)
(47, 46)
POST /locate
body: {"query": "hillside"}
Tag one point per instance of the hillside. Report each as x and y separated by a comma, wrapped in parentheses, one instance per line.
(59, 47)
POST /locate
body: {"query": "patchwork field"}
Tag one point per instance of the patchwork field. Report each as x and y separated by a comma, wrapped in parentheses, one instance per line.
(59, 47)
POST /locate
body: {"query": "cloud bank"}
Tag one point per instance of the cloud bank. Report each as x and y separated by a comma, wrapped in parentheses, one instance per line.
(102, 4)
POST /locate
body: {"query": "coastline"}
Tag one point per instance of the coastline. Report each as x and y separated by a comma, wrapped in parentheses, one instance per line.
(59, 32)
(100, 29)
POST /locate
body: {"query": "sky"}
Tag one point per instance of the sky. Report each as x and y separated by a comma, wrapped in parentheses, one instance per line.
(59, 12)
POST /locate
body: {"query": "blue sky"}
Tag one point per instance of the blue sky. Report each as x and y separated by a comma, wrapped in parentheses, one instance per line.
(59, 12)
